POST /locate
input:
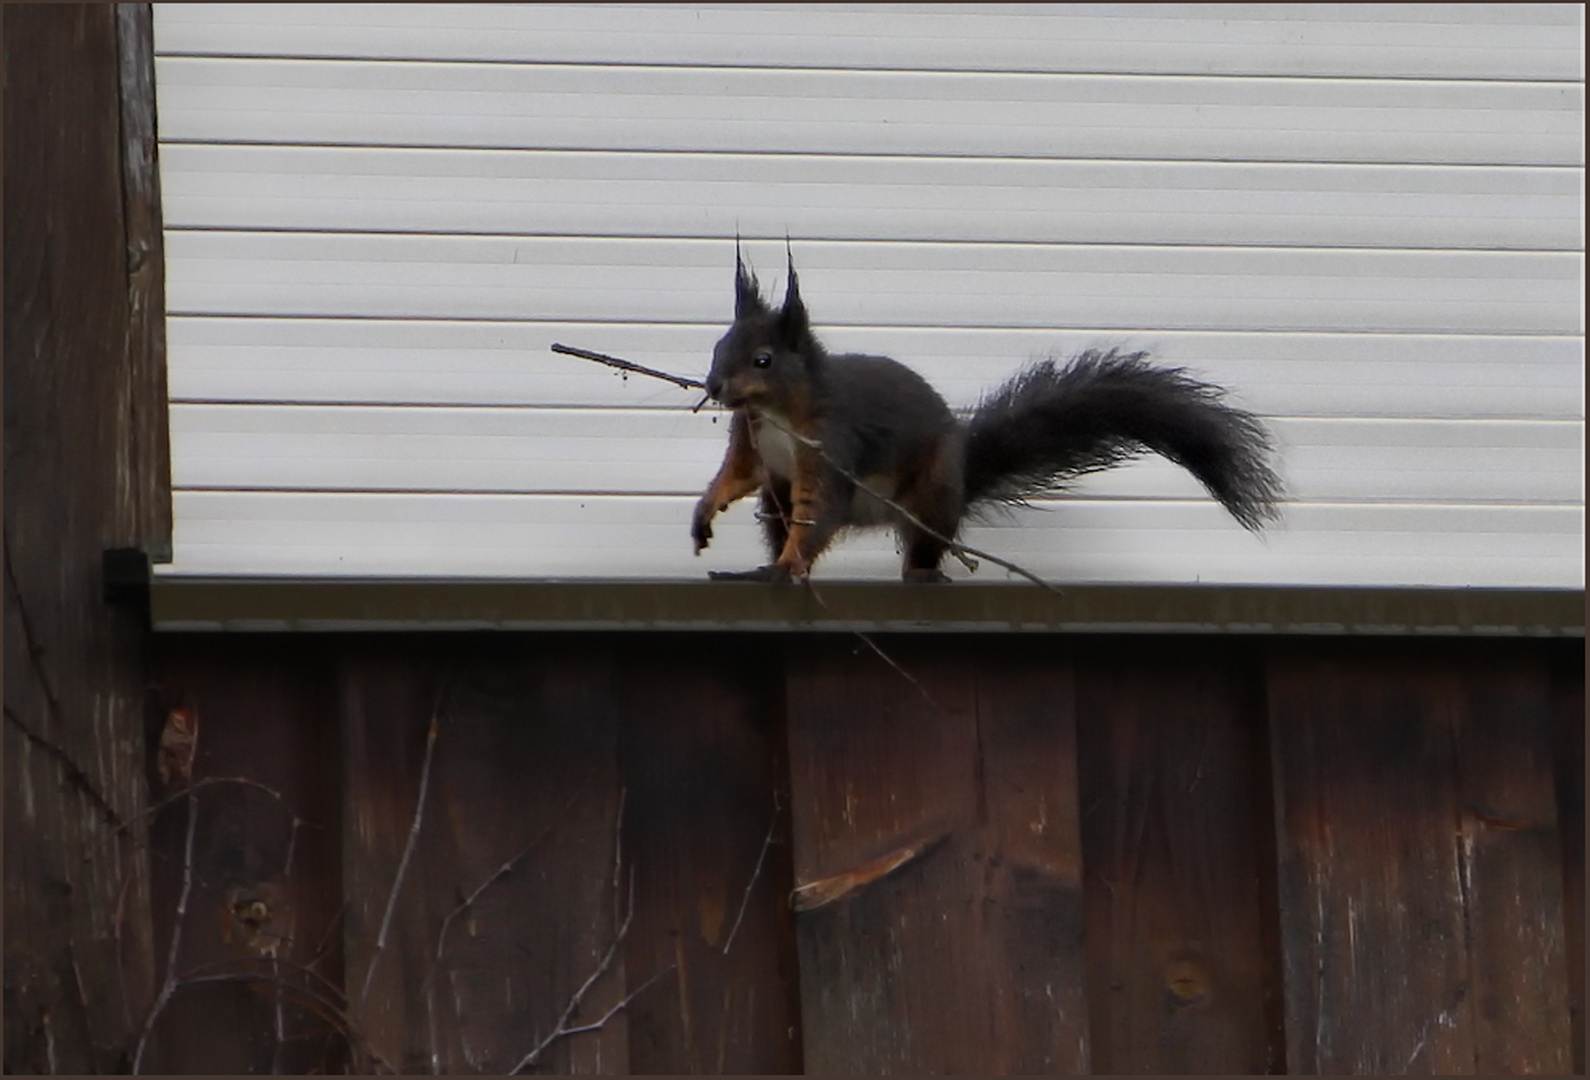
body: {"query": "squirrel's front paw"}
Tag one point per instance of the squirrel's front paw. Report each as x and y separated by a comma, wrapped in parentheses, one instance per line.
(701, 524)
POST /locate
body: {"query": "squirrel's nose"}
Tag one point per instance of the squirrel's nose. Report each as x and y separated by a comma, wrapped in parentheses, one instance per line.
(714, 386)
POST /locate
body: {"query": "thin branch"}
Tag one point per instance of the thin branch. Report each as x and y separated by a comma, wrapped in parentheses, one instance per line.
(562, 1028)
(30, 639)
(275, 958)
(49, 1040)
(169, 987)
(501, 872)
(885, 657)
(408, 853)
(324, 944)
(627, 365)
(756, 874)
(75, 773)
(598, 1025)
(212, 781)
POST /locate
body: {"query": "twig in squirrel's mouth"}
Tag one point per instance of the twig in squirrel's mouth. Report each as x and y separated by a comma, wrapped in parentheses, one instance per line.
(626, 365)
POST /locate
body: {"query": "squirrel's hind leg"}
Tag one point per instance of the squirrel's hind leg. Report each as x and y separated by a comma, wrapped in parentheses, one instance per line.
(935, 501)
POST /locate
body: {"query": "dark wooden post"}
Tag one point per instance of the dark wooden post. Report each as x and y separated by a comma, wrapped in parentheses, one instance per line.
(86, 471)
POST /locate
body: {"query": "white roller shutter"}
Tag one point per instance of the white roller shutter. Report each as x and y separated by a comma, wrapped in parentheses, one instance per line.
(1366, 221)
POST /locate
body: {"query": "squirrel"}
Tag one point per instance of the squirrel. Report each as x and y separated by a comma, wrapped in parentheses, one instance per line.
(835, 441)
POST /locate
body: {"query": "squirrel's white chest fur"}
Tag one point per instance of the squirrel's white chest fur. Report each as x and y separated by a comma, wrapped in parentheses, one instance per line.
(775, 447)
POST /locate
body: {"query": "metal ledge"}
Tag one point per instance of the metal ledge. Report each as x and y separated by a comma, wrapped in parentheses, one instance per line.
(197, 604)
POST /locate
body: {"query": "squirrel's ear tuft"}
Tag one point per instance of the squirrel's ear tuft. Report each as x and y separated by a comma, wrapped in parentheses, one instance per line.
(747, 293)
(792, 318)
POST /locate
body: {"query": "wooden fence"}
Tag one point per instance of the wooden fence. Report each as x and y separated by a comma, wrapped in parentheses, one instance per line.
(775, 852)
(697, 852)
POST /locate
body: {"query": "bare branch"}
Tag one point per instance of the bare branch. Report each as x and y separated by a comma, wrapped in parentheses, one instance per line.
(599, 1024)
(408, 852)
(75, 774)
(562, 1029)
(169, 986)
(885, 657)
(501, 872)
(626, 365)
(756, 874)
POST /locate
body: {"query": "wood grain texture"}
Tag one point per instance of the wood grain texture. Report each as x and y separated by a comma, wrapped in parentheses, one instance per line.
(79, 967)
(143, 503)
(524, 762)
(1568, 691)
(1419, 870)
(707, 815)
(267, 895)
(1182, 975)
(966, 956)
(1512, 862)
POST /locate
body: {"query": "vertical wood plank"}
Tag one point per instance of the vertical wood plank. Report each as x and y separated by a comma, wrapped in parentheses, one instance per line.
(523, 775)
(1420, 859)
(1174, 814)
(1374, 952)
(264, 910)
(942, 930)
(78, 952)
(1031, 846)
(707, 818)
(143, 500)
(1568, 692)
(1511, 858)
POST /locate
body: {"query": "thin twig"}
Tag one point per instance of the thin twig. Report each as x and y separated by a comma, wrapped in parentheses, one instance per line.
(408, 853)
(756, 874)
(885, 657)
(49, 1040)
(30, 639)
(501, 872)
(562, 1029)
(75, 774)
(329, 990)
(627, 365)
(212, 781)
(281, 1018)
(597, 1025)
(575, 1000)
(169, 987)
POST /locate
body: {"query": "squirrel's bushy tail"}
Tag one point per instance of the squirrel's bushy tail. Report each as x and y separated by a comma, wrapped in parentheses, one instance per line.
(1049, 425)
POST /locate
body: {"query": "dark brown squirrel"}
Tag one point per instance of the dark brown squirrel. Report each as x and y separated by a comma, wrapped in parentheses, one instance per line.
(820, 437)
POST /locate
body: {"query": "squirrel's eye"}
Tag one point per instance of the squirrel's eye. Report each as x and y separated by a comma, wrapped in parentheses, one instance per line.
(763, 359)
